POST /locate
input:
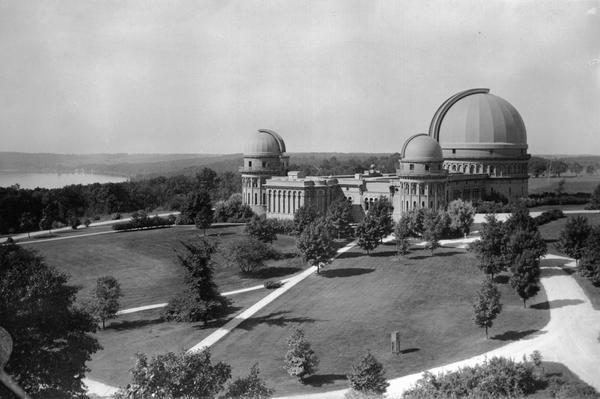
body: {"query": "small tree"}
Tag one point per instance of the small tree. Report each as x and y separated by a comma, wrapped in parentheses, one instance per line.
(300, 359)
(201, 300)
(250, 387)
(27, 223)
(402, 232)
(381, 210)
(315, 244)
(368, 377)
(246, 253)
(490, 248)
(339, 216)
(304, 216)
(595, 198)
(183, 375)
(432, 229)
(260, 228)
(487, 305)
(526, 275)
(106, 298)
(416, 217)
(572, 239)
(589, 266)
(368, 233)
(462, 214)
(198, 208)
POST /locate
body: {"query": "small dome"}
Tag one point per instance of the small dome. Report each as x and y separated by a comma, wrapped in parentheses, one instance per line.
(477, 119)
(421, 148)
(264, 143)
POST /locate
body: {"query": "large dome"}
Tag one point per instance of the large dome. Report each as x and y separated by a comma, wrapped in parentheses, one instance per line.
(421, 148)
(477, 119)
(264, 143)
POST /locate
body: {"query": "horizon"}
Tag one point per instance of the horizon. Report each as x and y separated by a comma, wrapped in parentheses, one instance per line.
(337, 76)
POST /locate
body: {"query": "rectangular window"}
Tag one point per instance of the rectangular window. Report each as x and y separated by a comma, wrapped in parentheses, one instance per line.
(412, 166)
(250, 163)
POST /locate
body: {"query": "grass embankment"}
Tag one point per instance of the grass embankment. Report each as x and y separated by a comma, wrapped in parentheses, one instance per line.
(573, 184)
(551, 232)
(359, 300)
(145, 262)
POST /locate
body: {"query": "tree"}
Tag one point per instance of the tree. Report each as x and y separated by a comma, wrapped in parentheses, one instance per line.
(315, 244)
(171, 375)
(526, 275)
(537, 166)
(52, 335)
(381, 210)
(590, 169)
(589, 266)
(487, 305)
(368, 376)
(300, 359)
(560, 188)
(198, 208)
(416, 221)
(339, 216)
(106, 298)
(572, 239)
(520, 241)
(462, 214)
(74, 222)
(304, 216)
(250, 387)
(368, 233)
(247, 253)
(402, 232)
(261, 229)
(432, 229)
(46, 222)
(27, 223)
(490, 248)
(201, 300)
(575, 167)
(207, 180)
(557, 166)
(595, 199)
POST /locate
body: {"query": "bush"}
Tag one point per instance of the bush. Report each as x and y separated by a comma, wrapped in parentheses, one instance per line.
(116, 216)
(560, 389)
(368, 377)
(287, 227)
(549, 216)
(142, 221)
(271, 285)
(495, 378)
(300, 359)
(250, 387)
(247, 253)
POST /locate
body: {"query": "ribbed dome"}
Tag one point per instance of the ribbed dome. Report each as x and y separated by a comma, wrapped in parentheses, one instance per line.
(264, 143)
(421, 148)
(480, 119)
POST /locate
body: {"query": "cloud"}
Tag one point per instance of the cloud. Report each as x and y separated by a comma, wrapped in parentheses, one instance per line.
(592, 11)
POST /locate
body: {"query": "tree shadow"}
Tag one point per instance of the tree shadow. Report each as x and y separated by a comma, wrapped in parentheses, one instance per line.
(515, 335)
(502, 279)
(333, 273)
(447, 253)
(132, 324)
(383, 254)
(409, 350)
(318, 380)
(272, 272)
(553, 271)
(557, 303)
(274, 319)
(353, 254)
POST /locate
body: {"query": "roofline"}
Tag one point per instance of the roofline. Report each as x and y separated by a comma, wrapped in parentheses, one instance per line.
(438, 117)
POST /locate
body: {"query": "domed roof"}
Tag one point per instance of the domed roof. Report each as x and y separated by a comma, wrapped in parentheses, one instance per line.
(421, 148)
(477, 119)
(264, 143)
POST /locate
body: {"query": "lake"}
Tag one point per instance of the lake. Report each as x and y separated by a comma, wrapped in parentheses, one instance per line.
(54, 180)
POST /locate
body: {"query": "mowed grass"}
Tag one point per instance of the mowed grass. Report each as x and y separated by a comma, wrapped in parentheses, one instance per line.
(146, 265)
(573, 184)
(145, 332)
(359, 300)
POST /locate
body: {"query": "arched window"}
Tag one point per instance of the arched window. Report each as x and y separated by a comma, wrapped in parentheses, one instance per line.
(255, 198)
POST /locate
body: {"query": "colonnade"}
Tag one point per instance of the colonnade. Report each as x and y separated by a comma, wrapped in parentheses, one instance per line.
(493, 169)
(284, 201)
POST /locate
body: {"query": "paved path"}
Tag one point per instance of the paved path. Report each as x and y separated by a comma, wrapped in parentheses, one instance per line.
(571, 336)
(480, 217)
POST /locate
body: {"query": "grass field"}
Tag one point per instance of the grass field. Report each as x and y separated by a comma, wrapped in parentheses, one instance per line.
(146, 265)
(359, 300)
(574, 184)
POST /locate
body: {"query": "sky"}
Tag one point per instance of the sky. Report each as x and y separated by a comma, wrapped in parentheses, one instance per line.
(146, 76)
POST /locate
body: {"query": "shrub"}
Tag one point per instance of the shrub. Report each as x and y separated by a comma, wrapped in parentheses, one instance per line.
(141, 221)
(260, 228)
(271, 285)
(560, 389)
(247, 253)
(549, 216)
(250, 387)
(116, 216)
(87, 222)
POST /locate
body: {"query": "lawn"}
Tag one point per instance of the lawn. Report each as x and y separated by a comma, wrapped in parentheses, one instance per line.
(146, 265)
(359, 300)
(145, 332)
(573, 184)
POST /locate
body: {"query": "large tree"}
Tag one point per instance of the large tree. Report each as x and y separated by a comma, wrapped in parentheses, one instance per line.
(247, 253)
(201, 299)
(487, 305)
(51, 334)
(572, 239)
(316, 244)
(381, 210)
(261, 229)
(198, 209)
(304, 216)
(176, 375)
(339, 216)
(462, 214)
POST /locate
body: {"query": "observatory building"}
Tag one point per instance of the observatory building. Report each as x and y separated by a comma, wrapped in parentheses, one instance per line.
(476, 148)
